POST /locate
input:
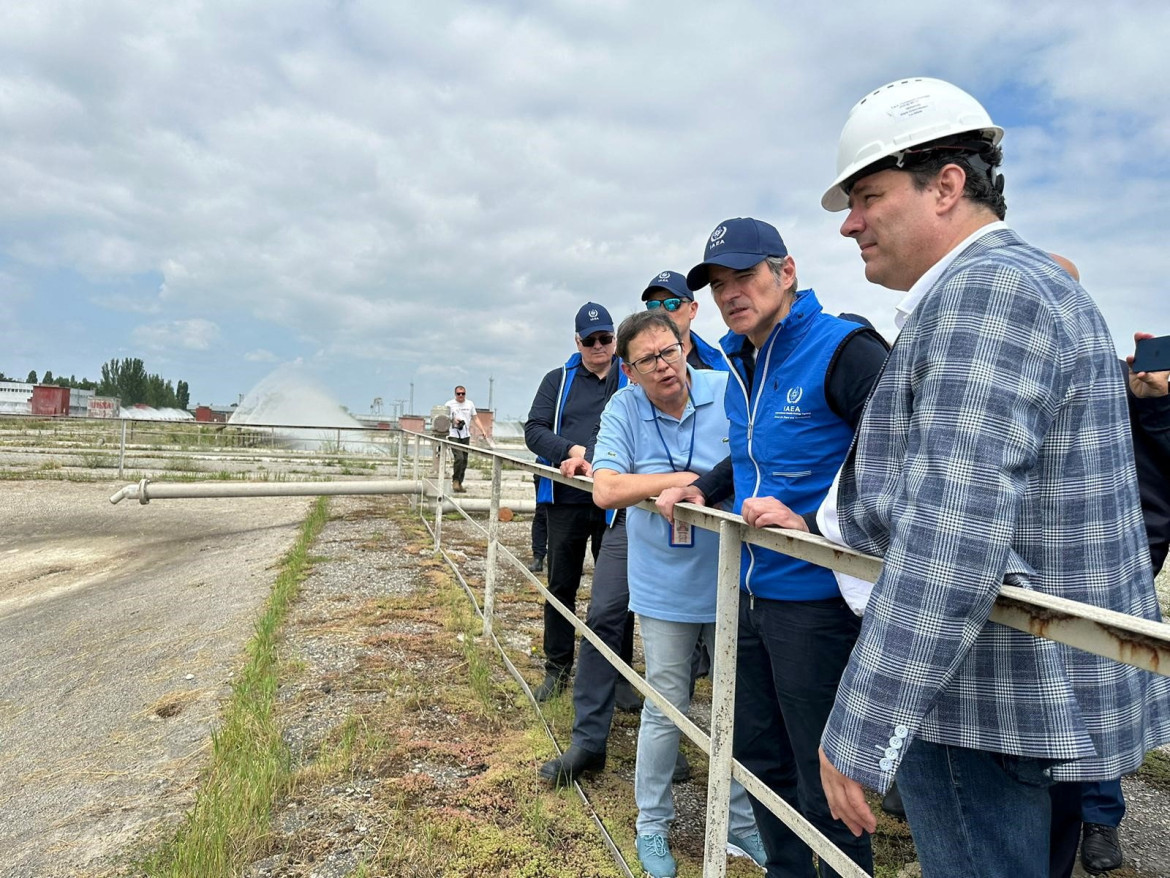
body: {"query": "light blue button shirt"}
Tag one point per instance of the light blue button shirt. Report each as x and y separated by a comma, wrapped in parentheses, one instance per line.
(676, 584)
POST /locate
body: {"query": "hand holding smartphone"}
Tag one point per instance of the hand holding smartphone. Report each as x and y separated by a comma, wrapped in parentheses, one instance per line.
(1149, 367)
(1152, 354)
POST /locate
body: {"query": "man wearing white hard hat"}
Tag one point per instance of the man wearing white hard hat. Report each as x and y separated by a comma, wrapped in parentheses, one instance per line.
(993, 451)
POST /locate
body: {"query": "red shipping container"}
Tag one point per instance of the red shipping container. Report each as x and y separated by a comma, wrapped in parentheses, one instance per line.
(49, 400)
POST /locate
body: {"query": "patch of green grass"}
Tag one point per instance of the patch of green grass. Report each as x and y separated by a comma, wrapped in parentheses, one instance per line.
(249, 763)
(1156, 769)
(96, 460)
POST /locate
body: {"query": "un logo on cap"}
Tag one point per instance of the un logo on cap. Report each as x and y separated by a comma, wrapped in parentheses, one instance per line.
(717, 235)
(592, 313)
(664, 276)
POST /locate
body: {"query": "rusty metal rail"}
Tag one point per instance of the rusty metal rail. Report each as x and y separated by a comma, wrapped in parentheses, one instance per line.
(1138, 642)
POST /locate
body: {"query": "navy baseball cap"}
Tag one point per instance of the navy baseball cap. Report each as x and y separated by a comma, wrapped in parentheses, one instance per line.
(593, 318)
(737, 244)
(672, 282)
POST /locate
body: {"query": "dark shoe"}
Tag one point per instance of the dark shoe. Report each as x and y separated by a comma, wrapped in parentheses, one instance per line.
(892, 803)
(573, 763)
(552, 686)
(1100, 848)
(682, 769)
(537, 564)
(626, 697)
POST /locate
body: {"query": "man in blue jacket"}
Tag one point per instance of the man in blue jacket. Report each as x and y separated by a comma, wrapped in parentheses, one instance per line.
(798, 384)
(562, 424)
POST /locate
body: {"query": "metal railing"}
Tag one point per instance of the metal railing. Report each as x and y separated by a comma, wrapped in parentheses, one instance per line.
(1138, 642)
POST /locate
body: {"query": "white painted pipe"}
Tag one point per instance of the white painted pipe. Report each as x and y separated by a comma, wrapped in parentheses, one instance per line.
(144, 491)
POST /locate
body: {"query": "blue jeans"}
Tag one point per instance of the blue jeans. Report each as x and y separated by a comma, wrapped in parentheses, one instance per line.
(989, 812)
(791, 655)
(668, 647)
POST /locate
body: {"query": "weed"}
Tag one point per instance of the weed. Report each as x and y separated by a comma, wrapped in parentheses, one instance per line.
(95, 460)
(249, 763)
(1156, 769)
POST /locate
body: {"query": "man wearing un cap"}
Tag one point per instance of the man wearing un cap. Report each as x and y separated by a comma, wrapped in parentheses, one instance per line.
(798, 384)
(668, 290)
(562, 424)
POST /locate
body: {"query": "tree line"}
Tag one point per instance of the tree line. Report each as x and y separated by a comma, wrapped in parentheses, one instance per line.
(126, 379)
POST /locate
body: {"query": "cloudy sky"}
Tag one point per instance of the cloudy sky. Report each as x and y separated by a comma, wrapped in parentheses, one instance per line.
(389, 193)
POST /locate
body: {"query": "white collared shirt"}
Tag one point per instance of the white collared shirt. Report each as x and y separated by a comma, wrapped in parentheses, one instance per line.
(856, 591)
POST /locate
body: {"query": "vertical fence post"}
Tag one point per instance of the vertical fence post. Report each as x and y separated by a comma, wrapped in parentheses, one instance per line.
(122, 450)
(442, 492)
(417, 451)
(489, 589)
(398, 442)
(722, 700)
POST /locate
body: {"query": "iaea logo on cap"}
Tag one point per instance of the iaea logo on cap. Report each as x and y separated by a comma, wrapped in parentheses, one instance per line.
(664, 276)
(717, 235)
(593, 315)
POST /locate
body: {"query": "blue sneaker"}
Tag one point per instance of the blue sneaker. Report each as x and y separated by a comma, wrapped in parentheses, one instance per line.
(750, 845)
(655, 856)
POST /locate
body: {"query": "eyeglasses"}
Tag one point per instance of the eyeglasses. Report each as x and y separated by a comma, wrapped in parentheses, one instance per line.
(646, 365)
(461, 393)
(671, 304)
(600, 338)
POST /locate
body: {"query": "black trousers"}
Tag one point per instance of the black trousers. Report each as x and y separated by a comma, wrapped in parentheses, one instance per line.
(571, 528)
(460, 459)
(609, 617)
(539, 526)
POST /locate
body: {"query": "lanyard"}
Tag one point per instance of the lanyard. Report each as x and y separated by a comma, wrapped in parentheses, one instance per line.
(690, 454)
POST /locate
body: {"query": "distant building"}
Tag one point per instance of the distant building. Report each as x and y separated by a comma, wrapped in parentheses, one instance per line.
(49, 400)
(213, 414)
(102, 406)
(15, 398)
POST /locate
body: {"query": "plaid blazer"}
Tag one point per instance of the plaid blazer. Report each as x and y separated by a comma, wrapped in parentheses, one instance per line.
(995, 449)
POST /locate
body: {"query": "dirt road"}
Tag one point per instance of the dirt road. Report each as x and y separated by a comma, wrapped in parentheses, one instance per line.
(119, 630)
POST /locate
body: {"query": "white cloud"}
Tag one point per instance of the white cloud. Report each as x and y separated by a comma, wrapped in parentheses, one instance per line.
(195, 335)
(381, 188)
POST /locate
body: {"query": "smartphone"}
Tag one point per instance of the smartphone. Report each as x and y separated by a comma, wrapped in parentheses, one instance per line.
(1152, 354)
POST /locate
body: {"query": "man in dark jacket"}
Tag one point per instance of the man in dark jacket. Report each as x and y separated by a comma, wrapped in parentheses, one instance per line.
(562, 424)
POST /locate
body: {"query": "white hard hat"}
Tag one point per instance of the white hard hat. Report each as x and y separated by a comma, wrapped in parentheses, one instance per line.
(899, 116)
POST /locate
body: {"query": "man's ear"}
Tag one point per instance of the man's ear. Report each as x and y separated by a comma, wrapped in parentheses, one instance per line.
(631, 374)
(949, 185)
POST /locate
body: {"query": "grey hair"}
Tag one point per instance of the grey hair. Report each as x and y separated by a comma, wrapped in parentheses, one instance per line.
(776, 264)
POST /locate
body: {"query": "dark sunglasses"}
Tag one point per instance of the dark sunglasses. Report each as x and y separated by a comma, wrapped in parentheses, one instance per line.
(672, 304)
(461, 393)
(601, 338)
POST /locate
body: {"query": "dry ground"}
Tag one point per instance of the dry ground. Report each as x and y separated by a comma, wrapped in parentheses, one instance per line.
(413, 752)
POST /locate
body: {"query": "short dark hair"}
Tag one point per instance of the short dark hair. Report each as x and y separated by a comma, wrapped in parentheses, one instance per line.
(639, 322)
(459, 387)
(980, 162)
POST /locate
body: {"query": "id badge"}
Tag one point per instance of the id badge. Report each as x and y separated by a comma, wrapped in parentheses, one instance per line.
(682, 535)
